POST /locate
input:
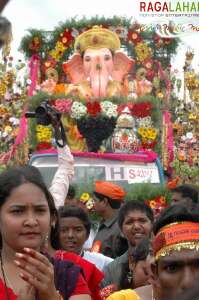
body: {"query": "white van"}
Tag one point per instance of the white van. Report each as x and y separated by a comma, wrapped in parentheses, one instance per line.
(124, 169)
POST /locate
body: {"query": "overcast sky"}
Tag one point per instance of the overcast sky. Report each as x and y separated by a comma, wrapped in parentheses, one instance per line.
(46, 14)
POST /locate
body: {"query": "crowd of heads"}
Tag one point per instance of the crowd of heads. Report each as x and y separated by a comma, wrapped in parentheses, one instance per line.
(175, 265)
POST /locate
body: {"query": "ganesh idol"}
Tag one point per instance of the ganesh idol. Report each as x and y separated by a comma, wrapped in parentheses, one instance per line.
(97, 69)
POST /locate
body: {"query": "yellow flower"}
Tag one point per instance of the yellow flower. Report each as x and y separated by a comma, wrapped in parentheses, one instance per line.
(151, 133)
(84, 197)
(60, 46)
(140, 130)
(102, 149)
(56, 54)
(8, 129)
(192, 117)
(43, 133)
(39, 127)
(144, 133)
(3, 88)
(160, 95)
(142, 51)
(152, 203)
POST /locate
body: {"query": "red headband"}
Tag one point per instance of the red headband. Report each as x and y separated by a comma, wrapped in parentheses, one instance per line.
(176, 236)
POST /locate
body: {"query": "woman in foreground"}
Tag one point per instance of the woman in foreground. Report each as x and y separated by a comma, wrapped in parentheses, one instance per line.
(26, 210)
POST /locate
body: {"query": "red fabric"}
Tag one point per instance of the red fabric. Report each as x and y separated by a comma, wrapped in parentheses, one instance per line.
(3, 296)
(81, 287)
(93, 275)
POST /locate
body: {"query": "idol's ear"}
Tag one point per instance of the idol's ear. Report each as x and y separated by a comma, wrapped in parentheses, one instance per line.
(74, 69)
(122, 66)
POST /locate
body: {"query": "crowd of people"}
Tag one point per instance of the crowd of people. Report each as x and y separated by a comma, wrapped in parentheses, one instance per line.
(50, 250)
(44, 234)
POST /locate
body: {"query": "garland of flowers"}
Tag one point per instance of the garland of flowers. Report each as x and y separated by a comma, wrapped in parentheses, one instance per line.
(157, 204)
(57, 46)
(90, 114)
(87, 200)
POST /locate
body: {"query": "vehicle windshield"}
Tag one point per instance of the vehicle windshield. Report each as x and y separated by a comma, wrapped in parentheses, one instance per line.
(87, 170)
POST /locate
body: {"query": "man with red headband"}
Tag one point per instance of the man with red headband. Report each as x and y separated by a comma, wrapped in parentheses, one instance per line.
(107, 201)
(176, 253)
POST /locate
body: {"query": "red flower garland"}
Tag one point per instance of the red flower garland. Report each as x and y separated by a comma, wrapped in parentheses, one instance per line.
(148, 145)
(134, 37)
(66, 37)
(35, 44)
(43, 146)
(141, 110)
(93, 108)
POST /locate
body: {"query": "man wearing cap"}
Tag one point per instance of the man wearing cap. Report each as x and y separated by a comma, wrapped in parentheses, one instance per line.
(107, 200)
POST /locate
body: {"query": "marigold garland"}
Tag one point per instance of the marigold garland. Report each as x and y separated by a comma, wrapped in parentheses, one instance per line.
(43, 134)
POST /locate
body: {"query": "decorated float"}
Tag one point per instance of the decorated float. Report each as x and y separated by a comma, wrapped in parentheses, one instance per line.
(109, 82)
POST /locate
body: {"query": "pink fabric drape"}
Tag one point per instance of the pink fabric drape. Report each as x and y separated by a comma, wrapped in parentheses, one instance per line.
(169, 138)
(143, 156)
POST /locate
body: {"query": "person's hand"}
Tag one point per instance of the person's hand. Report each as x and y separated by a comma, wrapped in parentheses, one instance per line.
(38, 272)
(26, 293)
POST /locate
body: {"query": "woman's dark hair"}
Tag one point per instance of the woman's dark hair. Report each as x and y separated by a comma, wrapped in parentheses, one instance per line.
(176, 213)
(139, 253)
(75, 212)
(54, 233)
(14, 177)
(132, 206)
(120, 244)
(115, 204)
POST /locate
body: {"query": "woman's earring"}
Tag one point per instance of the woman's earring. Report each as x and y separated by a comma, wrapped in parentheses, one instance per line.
(130, 276)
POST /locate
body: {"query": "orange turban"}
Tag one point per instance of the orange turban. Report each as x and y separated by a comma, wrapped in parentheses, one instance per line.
(109, 189)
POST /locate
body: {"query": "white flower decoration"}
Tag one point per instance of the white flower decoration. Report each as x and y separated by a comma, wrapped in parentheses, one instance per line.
(189, 135)
(78, 110)
(109, 109)
(14, 120)
(145, 122)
